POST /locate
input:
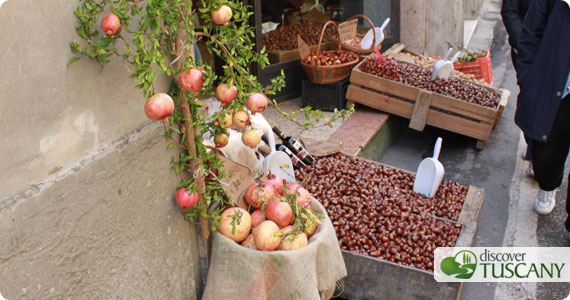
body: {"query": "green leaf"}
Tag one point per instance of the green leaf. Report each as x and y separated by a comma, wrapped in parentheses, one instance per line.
(81, 32)
(72, 60)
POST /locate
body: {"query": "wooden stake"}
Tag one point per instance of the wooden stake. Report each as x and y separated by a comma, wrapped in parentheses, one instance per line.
(185, 48)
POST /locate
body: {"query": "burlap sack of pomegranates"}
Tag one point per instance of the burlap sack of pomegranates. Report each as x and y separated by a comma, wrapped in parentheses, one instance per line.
(311, 272)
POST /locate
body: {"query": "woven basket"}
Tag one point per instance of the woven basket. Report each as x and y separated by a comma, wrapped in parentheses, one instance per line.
(328, 74)
(362, 53)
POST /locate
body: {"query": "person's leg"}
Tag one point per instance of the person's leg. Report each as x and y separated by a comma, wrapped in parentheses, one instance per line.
(548, 158)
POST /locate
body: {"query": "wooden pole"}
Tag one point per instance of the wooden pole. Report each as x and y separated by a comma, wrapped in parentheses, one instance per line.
(185, 48)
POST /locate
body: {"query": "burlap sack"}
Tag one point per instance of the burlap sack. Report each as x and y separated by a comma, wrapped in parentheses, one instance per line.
(241, 273)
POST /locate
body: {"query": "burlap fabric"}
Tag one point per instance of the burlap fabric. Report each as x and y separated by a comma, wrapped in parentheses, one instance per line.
(240, 273)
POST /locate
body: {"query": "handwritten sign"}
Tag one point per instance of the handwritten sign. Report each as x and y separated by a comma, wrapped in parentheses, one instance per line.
(304, 49)
(240, 179)
(347, 30)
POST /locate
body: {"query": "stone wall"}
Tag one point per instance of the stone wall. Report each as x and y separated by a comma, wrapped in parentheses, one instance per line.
(471, 8)
(427, 26)
(86, 195)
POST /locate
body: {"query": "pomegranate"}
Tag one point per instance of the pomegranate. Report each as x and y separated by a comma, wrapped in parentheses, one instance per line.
(292, 241)
(242, 223)
(257, 193)
(192, 80)
(111, 24)
(276, 182)
(251, 138)
(227, 119)
(303, 196)
(221, 140)
(257, 217)
(185, 199)
(159, 107)
(249, 242)
(266, 236)
(226, 93)
(257, 102)
(311, 227)
(279, 212)
(222, 16)
(241, 119)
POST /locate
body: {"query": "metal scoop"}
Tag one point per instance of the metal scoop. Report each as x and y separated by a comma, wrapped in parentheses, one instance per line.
(430, 173)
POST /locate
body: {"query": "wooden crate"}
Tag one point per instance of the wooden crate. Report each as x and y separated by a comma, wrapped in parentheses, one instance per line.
(279, 56)
(401, 48)
(374, 278)
(424, 107)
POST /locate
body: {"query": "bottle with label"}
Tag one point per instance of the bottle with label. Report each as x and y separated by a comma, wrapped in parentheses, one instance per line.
(297, 162)
(295, 146)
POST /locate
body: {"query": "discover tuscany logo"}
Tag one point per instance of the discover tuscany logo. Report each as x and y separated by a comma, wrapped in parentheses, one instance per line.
(502, 264)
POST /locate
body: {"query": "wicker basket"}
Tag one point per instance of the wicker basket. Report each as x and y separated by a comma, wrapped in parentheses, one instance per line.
(328, 74)
(362, 53)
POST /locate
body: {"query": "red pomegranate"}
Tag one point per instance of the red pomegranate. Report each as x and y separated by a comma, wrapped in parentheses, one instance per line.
(185, 199)
(221, 140)
(111, 24)
(257, 217)
(266, 236)
(249, 242)
(241, 119)
(257, 102)
(226, 93)
(251, 138)
(192, 80)
(303, 196)
(159, 107)
(276, 182)
(279, 212)
(222, 16)
(257, 193)
(242, 223)
(292, 241)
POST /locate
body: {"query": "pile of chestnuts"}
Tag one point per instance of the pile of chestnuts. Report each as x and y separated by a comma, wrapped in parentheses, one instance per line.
(285, 37)
(329, 58)
(374, 210)
(421, 78)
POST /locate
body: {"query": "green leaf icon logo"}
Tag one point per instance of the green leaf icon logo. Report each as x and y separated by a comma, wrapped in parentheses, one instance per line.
(463, 264)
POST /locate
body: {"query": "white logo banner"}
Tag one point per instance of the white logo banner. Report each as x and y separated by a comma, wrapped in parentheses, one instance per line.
(502, 264)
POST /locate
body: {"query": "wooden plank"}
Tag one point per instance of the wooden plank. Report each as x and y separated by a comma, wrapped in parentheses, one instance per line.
(421, 109)
(478, 130)
(457, 106)
(378, 101)
(469, 216)
(371, 278)
(396, 48)
(467, 109)
(480, 144)
(502, 104)
(382, 84)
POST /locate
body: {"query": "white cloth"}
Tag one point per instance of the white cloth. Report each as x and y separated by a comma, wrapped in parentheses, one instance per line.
(236, 150)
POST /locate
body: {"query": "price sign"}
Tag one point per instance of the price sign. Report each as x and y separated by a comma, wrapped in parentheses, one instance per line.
(304, 49)
(347, 30)
(240, 179)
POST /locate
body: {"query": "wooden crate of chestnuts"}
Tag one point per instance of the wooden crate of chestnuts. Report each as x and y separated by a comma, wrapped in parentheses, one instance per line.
(407, 90)
(387, 232)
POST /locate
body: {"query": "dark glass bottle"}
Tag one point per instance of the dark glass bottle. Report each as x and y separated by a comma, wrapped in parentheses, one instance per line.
(295, 146)
(297, 162)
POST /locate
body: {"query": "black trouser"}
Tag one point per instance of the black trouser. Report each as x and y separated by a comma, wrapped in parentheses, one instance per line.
(548, 158)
